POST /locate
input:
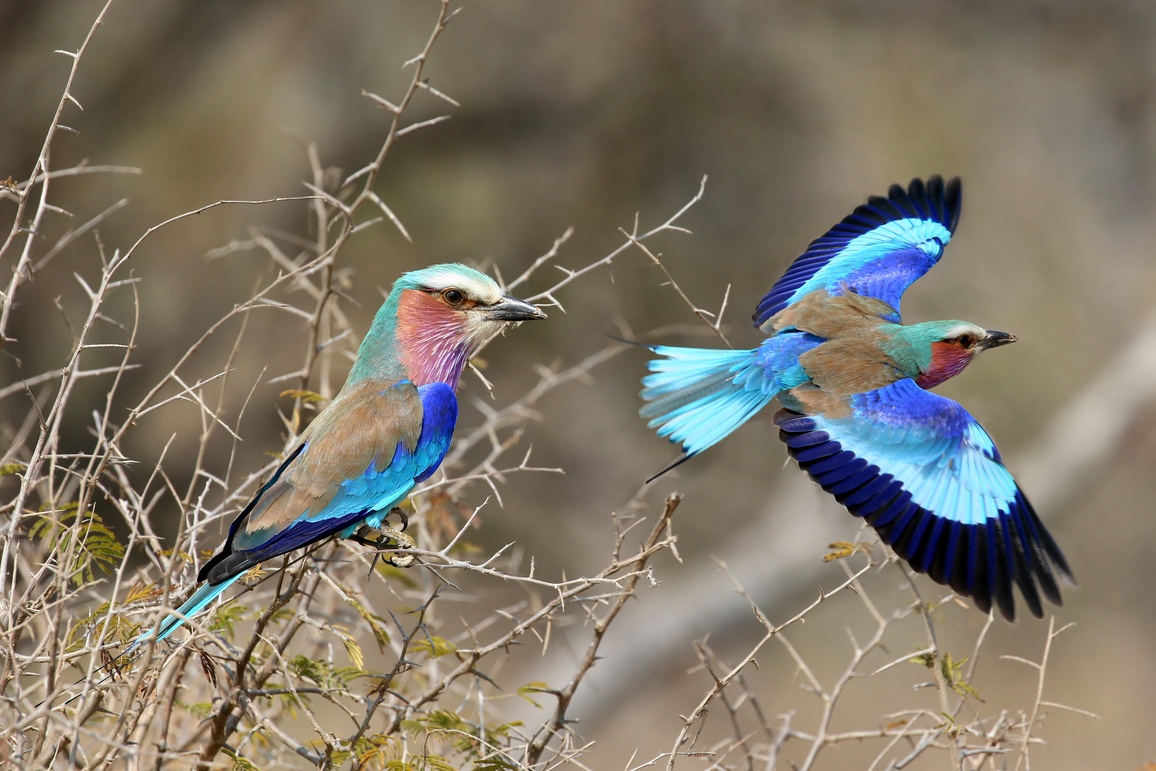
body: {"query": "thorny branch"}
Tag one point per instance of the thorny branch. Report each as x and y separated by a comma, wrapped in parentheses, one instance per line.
(426, 648)
(248, 686)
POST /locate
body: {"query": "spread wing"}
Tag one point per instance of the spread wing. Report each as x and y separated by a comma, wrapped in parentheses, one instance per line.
(878, 250)
(921, 471)
(360, 457)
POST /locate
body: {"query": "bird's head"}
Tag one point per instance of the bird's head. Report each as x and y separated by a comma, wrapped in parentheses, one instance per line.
(434, 319)
(946, 347)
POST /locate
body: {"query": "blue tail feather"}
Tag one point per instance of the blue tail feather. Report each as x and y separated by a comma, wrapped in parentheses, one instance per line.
(697, 396)
(173, 620)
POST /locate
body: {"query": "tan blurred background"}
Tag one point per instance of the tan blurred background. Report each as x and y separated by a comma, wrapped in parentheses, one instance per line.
(582, 114)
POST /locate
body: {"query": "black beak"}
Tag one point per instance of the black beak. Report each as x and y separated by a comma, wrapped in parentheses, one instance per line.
(513, 309)
(994, 339)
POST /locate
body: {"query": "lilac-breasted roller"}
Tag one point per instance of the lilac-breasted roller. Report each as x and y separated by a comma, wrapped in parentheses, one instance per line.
(856, 412)
(386, 430)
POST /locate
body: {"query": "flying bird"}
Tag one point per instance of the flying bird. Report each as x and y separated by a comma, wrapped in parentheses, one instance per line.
(857, 413)
(386, 430)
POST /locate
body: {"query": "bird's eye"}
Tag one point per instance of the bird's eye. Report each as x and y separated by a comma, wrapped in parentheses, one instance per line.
(965, 341)
(454, 297)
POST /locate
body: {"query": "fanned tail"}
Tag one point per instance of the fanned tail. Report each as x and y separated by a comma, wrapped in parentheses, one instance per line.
(697, 396)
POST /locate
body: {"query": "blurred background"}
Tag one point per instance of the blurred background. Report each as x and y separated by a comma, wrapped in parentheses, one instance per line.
(582, 115)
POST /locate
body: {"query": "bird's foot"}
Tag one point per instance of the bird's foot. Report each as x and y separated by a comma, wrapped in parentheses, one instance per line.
(400, 541)
(389, 539)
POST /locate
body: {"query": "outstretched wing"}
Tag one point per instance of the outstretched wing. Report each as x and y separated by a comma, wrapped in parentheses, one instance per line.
(361, 456)
(878, 250)
(929, 479)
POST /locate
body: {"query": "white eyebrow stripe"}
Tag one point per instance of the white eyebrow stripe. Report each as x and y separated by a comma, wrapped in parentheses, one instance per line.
(484, 290)
(964, 329)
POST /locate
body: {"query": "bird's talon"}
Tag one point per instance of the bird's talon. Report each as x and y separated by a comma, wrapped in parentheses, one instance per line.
(395, 539)
(401, 560)
(402, 515)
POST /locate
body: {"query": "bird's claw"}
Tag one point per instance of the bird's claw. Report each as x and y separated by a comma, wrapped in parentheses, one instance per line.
(400, 560)
(400, 541)
(402, 515)
(389, 539)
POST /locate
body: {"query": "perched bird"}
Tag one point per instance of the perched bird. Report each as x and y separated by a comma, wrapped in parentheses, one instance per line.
(856, 410)
(386, 430)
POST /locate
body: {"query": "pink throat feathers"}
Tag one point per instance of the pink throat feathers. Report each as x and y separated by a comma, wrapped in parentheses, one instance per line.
(433, 340)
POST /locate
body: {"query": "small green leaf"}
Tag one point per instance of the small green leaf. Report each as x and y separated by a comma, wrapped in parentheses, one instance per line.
(444, 720)
(536, 687)
(494, 764)
(202, 709)
(399, 765)
(322, 673)
(412, 727)
(184, 556)
(926, 658)
(84, 536)
(953, 674)
(225, 619)
(376, 623)
(434, 645)
(840, 550)
(241, 763)
(352, 649)
(305, 396)
(438, 763)
(375, 751)
(139, 592)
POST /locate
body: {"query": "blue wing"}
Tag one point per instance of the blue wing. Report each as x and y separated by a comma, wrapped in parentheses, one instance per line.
(279, 519)
(921, 471)
(275, 521)
(878, 250)
(362, 498)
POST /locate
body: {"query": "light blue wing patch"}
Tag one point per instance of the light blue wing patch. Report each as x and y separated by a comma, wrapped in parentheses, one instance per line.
(878, 250)
(929, 479)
